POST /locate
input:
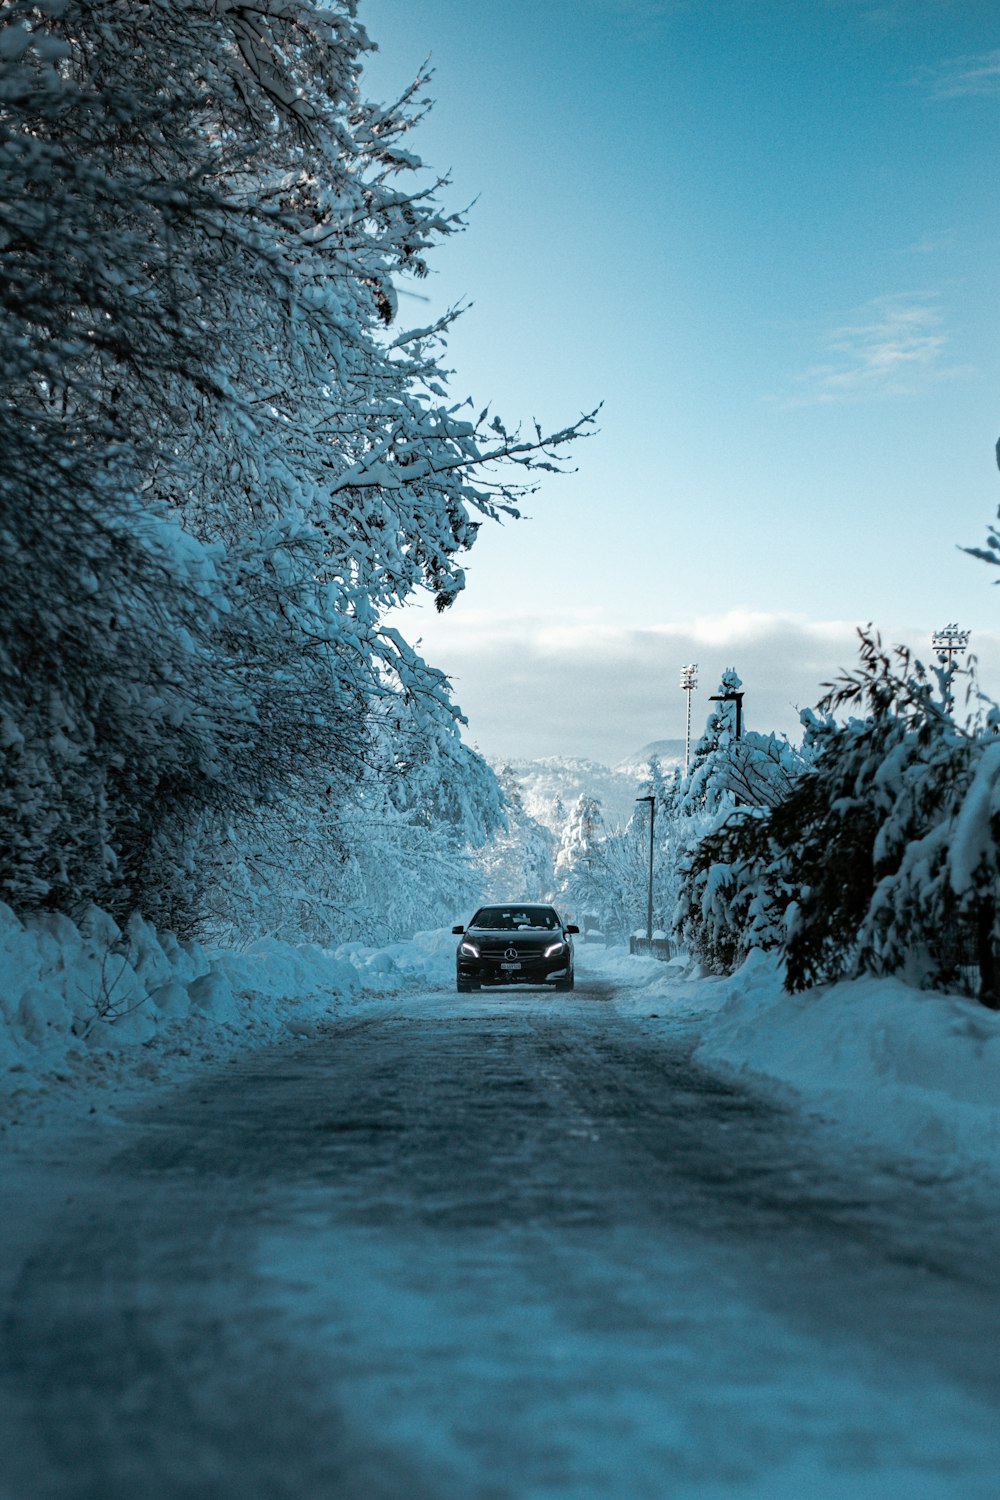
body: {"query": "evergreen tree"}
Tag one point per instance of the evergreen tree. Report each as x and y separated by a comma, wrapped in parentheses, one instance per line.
(582, 833)
(577, 871)
(517, 862)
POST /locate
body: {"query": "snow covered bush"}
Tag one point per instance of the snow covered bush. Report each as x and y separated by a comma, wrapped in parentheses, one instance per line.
(883, 853)
(221, 461)
(719, 839)
(928, 785)
(725, 906)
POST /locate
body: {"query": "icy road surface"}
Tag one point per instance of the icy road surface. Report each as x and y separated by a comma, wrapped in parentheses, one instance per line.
(497, 1247)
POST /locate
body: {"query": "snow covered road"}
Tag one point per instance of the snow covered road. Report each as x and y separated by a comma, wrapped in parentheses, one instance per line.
(497, 1247)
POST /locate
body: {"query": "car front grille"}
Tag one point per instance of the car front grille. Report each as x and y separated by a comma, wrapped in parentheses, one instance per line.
(498, 952)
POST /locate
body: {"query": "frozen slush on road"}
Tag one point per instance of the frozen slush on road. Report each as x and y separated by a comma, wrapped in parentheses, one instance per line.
(505, 1245)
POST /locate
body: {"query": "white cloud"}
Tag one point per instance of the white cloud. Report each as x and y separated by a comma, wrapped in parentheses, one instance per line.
(933, 243)
(543, 685)
(577, 683)
(893, 346)
(961, 77)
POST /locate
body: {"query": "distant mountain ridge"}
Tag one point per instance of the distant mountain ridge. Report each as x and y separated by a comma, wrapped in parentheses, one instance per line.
(555, 779)
(669, 753)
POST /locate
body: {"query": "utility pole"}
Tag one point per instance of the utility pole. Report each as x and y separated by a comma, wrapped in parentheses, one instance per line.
(649, 895)
(689, 681)
(949, 643)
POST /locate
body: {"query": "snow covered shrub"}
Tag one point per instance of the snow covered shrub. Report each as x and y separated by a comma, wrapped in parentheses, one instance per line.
(866, 838)
(883, 853)
(725, 902)
(936, 854)
(719, 836)
(221, 462)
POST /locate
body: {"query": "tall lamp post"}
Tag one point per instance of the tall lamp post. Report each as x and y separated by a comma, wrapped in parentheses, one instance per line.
(689, 681)
(732, 697)
(949, 643)
(649, 895)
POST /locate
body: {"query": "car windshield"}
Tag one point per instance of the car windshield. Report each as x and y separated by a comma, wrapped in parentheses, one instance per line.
(515, 918)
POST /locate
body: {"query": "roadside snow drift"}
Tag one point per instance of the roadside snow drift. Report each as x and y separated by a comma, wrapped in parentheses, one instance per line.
(76, 1000)
(916, 1073)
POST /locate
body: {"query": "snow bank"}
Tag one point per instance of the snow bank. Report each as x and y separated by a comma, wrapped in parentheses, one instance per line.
(73, 998)
(90, 1001)
(427, 957)
(914, 1073)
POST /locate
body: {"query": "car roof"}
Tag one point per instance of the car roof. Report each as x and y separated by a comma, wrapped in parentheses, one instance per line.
(513, 908)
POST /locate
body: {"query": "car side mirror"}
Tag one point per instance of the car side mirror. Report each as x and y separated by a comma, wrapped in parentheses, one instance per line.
(572, 927)
(458, 931)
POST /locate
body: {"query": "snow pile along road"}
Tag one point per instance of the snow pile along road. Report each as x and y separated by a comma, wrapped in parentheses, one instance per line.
(94, 1004)
(914, 1072)
(427, 958)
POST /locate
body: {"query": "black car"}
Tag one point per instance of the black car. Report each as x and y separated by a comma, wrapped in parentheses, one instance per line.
(515, 945)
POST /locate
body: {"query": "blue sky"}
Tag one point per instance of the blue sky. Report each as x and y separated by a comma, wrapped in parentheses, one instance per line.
(766, 235)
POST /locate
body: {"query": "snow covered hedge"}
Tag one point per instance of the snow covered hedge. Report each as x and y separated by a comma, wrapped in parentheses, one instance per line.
(883, 853)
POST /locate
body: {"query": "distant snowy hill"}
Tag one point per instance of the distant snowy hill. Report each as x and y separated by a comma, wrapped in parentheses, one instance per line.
(670, 753)
(559, 779)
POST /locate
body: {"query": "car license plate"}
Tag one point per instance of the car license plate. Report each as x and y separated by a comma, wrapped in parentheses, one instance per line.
(510, 966)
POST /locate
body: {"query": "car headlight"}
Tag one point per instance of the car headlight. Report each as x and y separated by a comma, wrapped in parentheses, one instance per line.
(553, 949)
(469, 950)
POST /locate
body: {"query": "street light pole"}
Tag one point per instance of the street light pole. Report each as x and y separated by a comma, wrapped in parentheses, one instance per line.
(732, 697)
(649, 894)
(689, 681)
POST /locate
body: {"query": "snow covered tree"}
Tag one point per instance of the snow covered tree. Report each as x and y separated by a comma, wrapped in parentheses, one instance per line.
(578, 874)
(223, 458)
(715, 820)
(621, 868)
(583, 830)
(726, 902)
(707, 781)
(604, 873)
(391, 860)
(656, 783)
(884, 852)
(877, 844)
(729, 769)
(517, 862)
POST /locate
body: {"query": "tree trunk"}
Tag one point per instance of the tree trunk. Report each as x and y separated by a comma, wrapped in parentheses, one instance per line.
(986, 956)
